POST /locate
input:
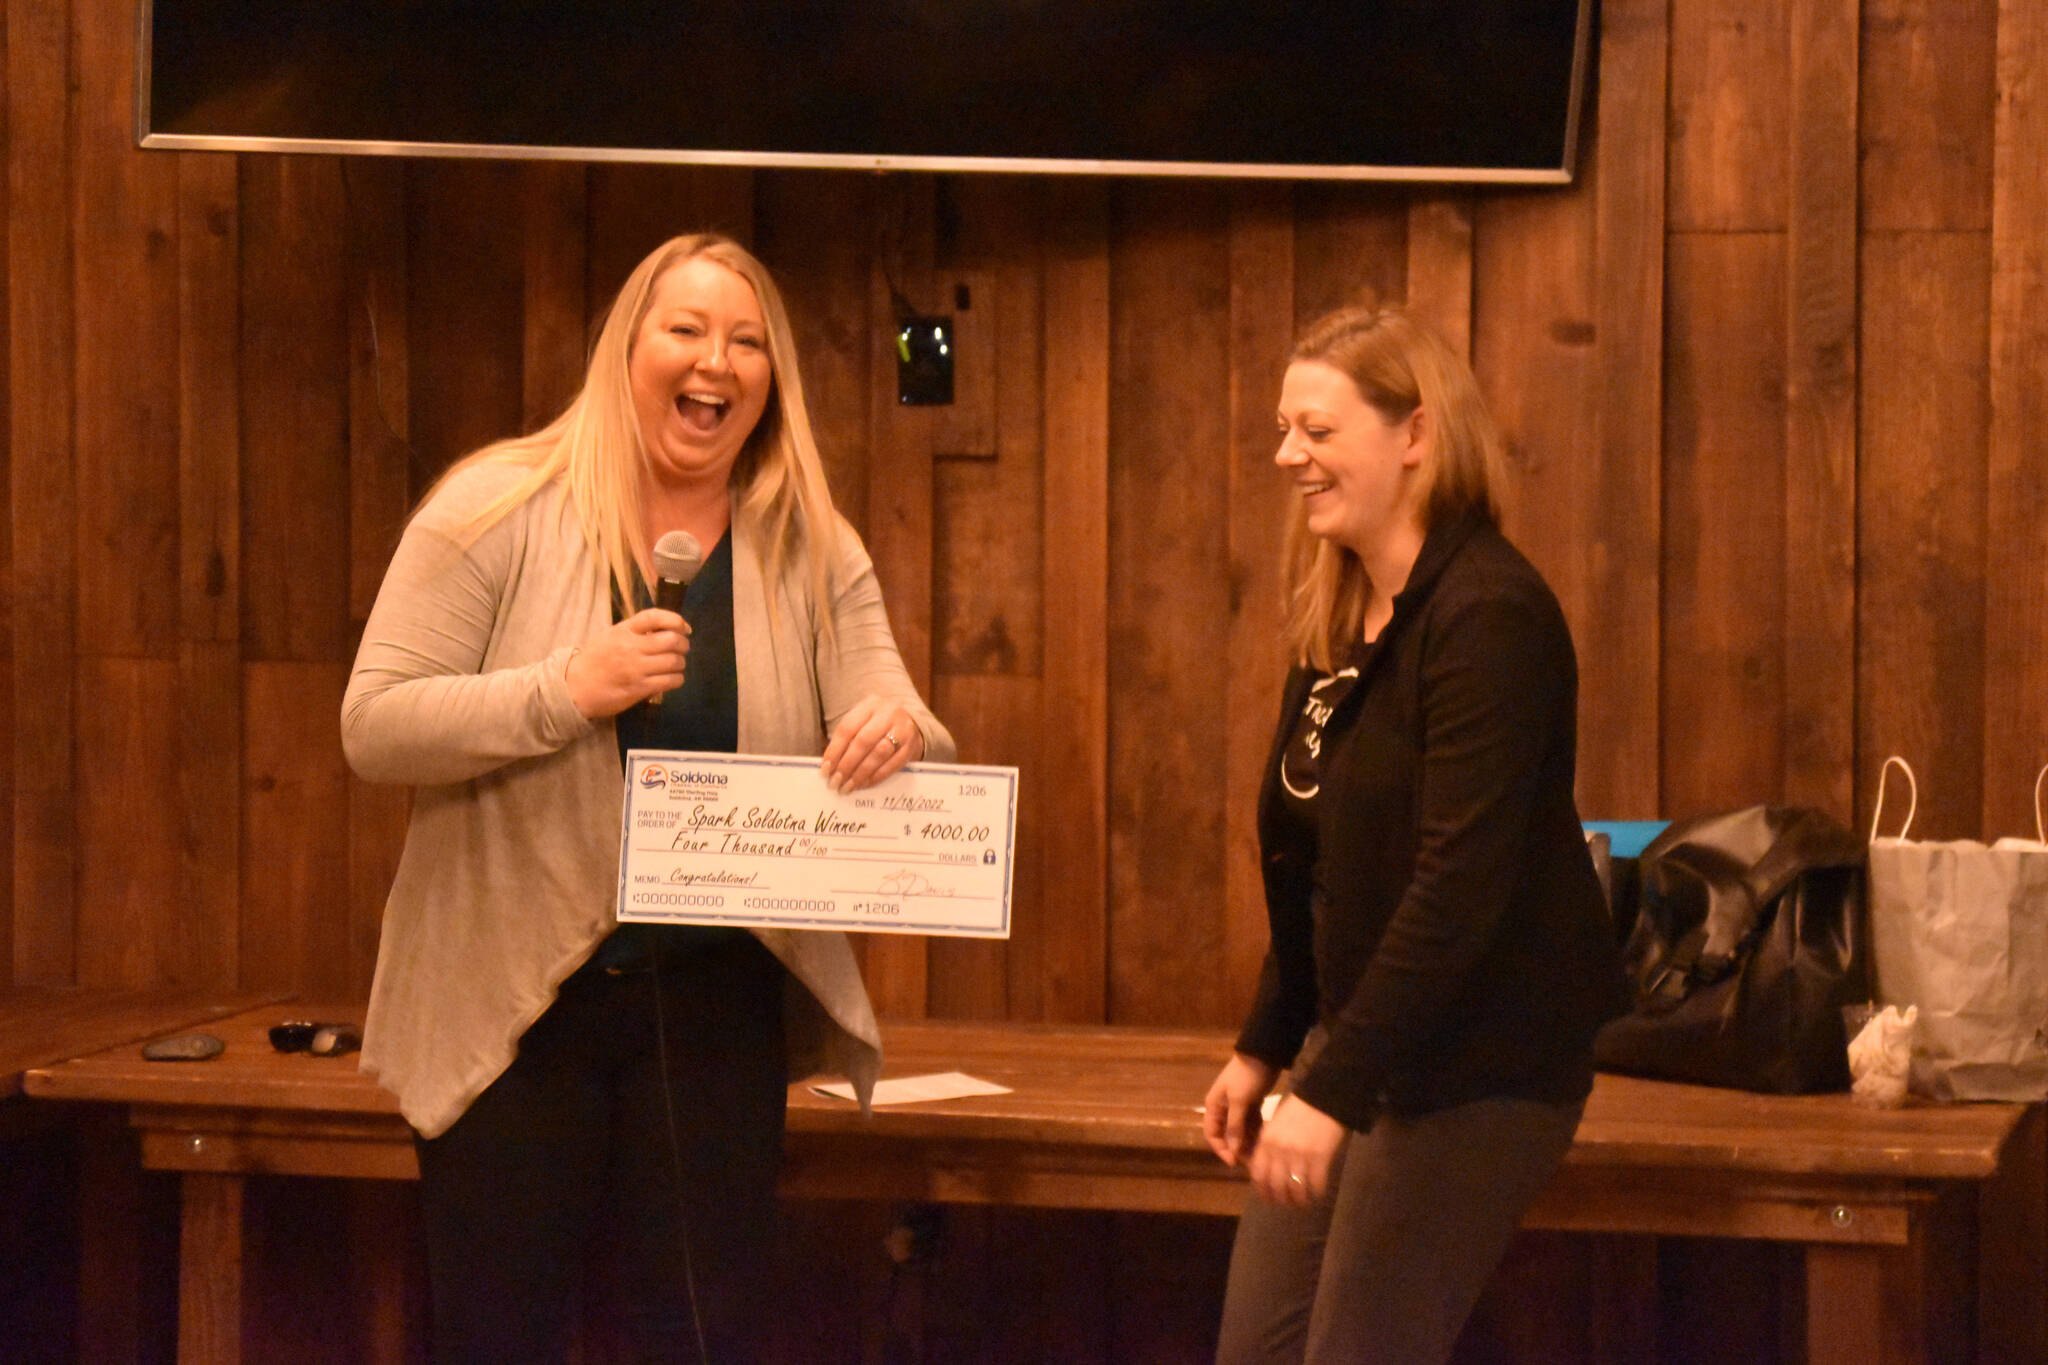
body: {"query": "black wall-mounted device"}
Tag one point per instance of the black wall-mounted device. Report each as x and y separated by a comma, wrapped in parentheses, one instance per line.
(924, 361)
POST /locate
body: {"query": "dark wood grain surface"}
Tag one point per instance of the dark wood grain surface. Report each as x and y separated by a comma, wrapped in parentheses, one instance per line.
(1124, 1087)
(43, 1025)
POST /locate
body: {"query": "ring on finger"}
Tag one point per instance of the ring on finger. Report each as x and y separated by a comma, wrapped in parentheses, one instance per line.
(894, 743)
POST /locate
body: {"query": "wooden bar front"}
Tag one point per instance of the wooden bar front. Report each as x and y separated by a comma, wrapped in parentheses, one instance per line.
(1889, 1206)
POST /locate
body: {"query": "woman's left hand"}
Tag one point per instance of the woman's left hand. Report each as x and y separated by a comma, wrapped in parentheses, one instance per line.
(871, 742)
(1291, 1164)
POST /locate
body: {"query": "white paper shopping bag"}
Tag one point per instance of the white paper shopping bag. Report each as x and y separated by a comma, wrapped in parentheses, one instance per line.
(1960, 929)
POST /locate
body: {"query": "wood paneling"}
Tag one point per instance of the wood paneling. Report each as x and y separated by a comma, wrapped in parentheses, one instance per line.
(1169, 606)
(1074, 740)
(1928, 87)
(203, 947)
(6, 534)
(2016, 570)
(295, 407)
(807, 236)
(295, 883)
(464, 271)
(899, 510)
(1925, 105)
(1820, 410)
(1773, 373)
(555, 312)
(1260, 500)
(1536, 350)
(1729, 115)
(42, 365)
(1921, 527)
(1351, 247)
(1619, 626)
(125, 425)
(1440, 267)
(1724, 520)
(127, 784)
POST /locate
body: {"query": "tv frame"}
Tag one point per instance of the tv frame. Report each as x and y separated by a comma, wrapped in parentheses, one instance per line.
(1582, 46)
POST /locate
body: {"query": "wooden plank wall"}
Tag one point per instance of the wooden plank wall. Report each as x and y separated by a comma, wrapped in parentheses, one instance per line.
(1774, 373)
(1769, 371)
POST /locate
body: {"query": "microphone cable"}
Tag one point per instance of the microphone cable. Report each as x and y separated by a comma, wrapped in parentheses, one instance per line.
(675, 1151)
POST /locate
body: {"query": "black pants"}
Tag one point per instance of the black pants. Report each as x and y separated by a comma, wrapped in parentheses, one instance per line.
(568, 1163)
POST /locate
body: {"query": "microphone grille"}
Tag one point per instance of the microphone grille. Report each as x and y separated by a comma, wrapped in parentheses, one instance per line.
(677, 557)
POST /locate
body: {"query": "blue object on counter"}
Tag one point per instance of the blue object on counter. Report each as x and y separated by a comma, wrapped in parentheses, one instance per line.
(1627, 838)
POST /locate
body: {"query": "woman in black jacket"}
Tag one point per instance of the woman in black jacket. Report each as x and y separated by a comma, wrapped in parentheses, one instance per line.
(1441, 955)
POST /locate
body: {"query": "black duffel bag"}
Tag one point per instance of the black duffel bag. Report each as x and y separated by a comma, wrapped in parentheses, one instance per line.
(1746, 940)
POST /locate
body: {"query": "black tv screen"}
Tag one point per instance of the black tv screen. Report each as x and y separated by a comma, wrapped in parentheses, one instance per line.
(1476, 90)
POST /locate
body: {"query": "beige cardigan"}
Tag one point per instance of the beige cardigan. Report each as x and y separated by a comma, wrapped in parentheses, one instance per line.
(510, 871)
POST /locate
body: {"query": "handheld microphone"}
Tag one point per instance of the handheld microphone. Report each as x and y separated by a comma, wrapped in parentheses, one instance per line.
(677, 557)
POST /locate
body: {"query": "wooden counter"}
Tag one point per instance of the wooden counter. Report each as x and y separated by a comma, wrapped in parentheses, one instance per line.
(1892, 1208)
(44, 1024)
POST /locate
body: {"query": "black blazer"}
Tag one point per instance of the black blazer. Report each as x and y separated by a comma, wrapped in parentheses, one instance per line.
(1444, 922)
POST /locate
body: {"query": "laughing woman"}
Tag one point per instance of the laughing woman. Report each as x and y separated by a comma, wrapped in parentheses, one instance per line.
(574, 1084)
(1440, 953)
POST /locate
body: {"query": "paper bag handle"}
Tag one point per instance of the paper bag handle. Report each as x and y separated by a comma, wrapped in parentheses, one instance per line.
(1913, 795)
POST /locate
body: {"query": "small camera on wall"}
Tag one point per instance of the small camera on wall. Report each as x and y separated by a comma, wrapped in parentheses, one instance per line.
(924, 361)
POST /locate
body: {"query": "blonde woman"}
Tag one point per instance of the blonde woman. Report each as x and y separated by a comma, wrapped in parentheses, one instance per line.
(575, 1084)
(1440, 954)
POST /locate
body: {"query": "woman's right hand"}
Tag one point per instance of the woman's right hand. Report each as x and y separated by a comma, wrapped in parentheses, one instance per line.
(1230, 1113)
(628, 662)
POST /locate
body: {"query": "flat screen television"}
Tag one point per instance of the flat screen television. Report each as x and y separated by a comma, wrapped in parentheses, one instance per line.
(1453, 90)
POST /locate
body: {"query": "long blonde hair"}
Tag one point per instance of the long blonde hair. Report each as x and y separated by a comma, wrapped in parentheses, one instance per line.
(1398, 363)
(595, 444)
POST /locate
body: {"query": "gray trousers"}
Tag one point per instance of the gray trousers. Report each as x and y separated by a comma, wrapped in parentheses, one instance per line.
(1385, 1269)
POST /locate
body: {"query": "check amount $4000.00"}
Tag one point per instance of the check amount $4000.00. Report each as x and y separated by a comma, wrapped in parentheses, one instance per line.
(763, 842)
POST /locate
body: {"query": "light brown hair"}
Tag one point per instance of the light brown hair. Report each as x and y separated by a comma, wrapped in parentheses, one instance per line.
(1398, 364)
(595, 445)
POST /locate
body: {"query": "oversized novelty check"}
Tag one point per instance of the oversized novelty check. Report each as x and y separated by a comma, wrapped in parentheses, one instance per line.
(746, 839)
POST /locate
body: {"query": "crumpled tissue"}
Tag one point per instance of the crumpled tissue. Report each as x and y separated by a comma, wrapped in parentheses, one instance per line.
(1881, 1057)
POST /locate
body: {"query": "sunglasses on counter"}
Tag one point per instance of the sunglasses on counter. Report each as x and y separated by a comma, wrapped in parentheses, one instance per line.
(321, 1040)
